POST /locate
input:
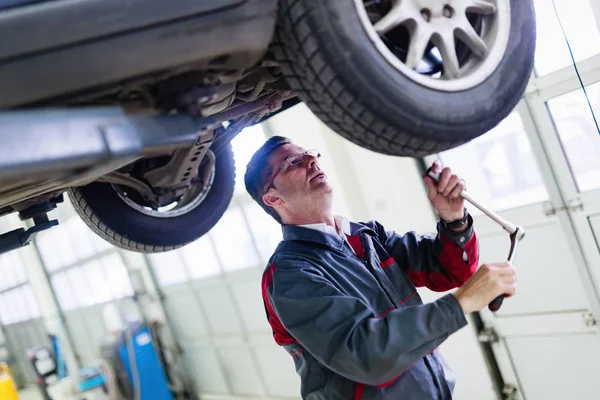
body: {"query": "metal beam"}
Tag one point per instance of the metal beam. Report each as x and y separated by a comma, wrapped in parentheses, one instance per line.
(188, 381)
(67, 335)
(596, 11)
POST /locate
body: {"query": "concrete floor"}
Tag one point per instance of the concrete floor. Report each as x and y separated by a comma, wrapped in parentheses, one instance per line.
(34, 394)
(58, 393)
(31, 394)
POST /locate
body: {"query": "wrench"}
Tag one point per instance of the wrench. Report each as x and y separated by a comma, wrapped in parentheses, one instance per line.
(516, 233)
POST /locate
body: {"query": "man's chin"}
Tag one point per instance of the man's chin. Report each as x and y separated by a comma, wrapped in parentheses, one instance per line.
(326, 188)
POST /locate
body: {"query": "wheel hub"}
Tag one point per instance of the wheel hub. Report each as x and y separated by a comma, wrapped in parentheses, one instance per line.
(445, 25)
(431, 8)
(191, 198)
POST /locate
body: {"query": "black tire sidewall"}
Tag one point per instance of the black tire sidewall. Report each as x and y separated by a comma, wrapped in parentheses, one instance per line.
(164, 232)
(401, 102)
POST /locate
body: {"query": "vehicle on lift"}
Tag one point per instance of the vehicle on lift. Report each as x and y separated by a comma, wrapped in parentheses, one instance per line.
(130, 107)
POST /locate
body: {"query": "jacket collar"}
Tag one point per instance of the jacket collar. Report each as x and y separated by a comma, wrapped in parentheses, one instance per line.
(341, 223)
(296, 232)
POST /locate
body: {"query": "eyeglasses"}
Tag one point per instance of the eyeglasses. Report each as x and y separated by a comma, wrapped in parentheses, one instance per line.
(292, 160)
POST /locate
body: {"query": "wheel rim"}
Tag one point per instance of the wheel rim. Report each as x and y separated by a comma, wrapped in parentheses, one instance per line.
(185, 204)
(435, 27)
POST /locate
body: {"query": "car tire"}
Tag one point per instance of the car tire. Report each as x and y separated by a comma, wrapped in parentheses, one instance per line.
(101, 208)
(329, 59)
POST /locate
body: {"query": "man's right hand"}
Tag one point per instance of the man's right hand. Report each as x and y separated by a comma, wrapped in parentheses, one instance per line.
(490, 281)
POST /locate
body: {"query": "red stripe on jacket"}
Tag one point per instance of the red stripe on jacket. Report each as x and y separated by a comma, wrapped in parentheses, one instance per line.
(388, 383)
(457, 271)
(359, 389)
(387, 262)
(357, 246)
(280, 334)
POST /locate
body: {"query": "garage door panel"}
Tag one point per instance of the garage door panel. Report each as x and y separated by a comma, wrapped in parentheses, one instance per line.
(278, 369)
(548, 280)
(463, 355)
(241, 370)
(545, 365)
(208, 376)
(220, 309)
(77, 329)
(22, 336)
(249, 301)
(188, 319)
(80, 334)
(95, 322)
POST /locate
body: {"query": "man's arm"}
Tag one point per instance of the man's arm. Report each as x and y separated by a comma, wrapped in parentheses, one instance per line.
(343, 334)
(449, 259)
(441, 262)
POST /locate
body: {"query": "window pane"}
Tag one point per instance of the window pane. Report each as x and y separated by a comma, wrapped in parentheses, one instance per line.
(266, 231)
(101, 288)
(80, 287)
(48, 252)
(9, 309)
(23, 311)
(64, 292)
(56, 248)
(244, 145)
(233, 241)
(19, 270)
(499, 167)
(80, 236)
(578, 134)
(16, 308)
(31, 301)
(578, 21)
(12, 270)
(169, 268)
(200, 258)
(3, 310)
(117, 275)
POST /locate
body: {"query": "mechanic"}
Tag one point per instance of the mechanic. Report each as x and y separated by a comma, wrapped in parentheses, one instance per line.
(340, 296)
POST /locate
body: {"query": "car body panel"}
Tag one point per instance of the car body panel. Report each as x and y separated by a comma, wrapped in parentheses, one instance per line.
(60, 56)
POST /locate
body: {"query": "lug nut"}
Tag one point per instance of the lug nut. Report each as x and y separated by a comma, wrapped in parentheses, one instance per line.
(448, 11)
(426, 14)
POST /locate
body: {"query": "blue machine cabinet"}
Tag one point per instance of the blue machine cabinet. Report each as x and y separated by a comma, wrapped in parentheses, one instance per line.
(152, 379)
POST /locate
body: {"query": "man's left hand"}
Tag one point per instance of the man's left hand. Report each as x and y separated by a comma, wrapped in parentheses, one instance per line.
(445, 195)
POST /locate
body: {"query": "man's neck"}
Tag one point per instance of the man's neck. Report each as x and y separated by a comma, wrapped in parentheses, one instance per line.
(327, 219)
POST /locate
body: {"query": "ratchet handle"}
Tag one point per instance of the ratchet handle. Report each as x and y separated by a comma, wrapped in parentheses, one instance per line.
(515, 238)
(516, 233)
(496, 303)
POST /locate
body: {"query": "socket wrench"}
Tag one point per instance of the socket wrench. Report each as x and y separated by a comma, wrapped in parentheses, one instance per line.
(516, 233)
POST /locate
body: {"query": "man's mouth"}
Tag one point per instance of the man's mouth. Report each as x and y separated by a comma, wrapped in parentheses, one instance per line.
(317, 175)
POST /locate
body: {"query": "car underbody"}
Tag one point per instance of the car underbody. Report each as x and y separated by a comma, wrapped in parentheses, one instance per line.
(132, 108)
(150, 132)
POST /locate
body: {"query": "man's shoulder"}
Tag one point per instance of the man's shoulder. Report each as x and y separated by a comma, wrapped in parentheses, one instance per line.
(373, 225)
(290, 253)
(294, 254)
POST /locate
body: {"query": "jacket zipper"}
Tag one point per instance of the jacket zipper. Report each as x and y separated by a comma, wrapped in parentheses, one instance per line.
(367, 256)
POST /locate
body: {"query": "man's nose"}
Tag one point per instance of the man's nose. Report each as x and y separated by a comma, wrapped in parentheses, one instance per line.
(311, 161)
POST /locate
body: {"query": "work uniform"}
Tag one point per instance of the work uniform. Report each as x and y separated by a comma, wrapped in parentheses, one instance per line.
(345, 307)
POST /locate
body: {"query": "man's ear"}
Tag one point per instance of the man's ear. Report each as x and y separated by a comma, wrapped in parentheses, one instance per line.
(271, 198)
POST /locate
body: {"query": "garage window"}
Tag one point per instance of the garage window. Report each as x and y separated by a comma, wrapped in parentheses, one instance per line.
(17, 300)
(244, 237)
(577, 18)
(579, 135)
(85, 269)
(507, 175)
(68, 243)
(94, 282)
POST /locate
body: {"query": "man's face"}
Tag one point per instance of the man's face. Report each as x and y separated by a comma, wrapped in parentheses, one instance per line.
(301, 187)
